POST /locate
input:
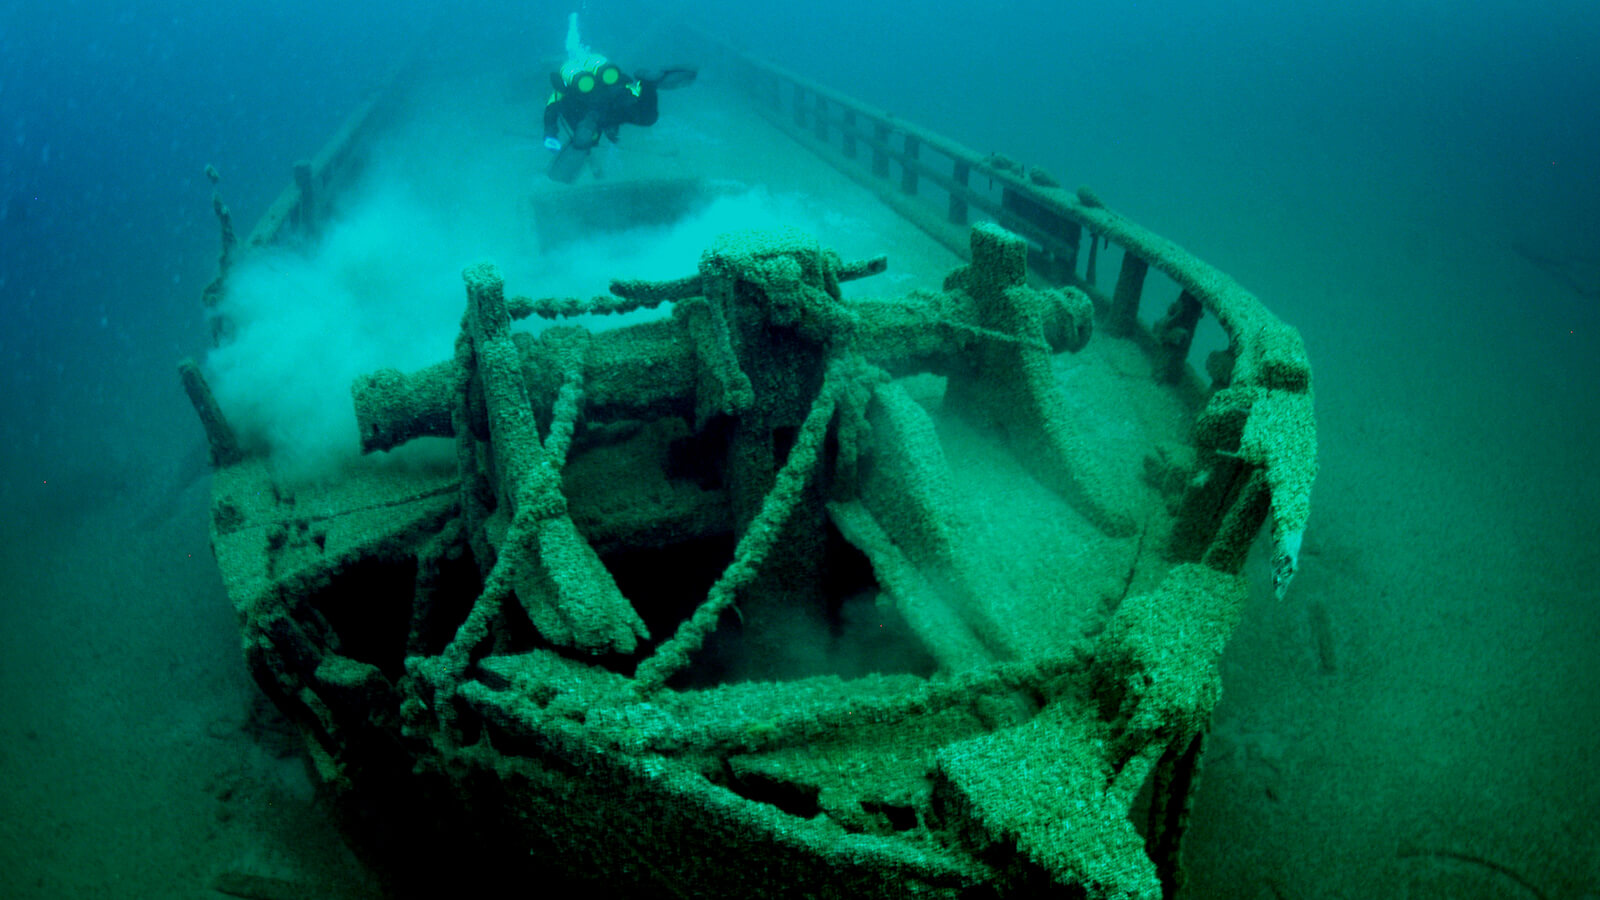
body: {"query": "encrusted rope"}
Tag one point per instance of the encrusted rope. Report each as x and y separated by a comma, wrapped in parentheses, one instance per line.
(568, 404)
(757, 542)
(627, 296)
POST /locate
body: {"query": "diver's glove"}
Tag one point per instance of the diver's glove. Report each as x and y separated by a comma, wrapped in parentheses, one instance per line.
(552, 144)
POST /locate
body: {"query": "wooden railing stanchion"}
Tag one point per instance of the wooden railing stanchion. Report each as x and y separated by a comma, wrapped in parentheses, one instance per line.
(1124, 318)
(305, 214)
(958, 200)
(908, 167)
(1174, 333)
(880, 156)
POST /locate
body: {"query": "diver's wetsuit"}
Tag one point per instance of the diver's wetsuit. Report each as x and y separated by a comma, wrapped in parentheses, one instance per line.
(601, 111)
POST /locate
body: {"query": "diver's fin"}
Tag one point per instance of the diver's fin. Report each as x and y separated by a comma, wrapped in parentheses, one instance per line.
(568, 164)
(670, 77)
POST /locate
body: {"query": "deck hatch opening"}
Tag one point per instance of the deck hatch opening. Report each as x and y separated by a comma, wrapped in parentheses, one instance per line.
(843, 625)
(368, 605)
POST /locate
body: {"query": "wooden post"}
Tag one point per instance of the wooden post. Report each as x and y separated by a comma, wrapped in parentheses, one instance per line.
(1090, 274)
(880, 158)
(1125, 302)
(307, 210)
(849, 134)
(799, 106)
(908, 166)
(821, 123)
(1238, 526)
(958, 200)
(1176, 776)
(220, 439)
(1066, 261)
(1174, 332)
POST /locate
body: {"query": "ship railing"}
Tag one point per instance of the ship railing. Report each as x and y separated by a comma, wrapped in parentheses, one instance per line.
(295, 215)
(299, 210)
(1254, 427)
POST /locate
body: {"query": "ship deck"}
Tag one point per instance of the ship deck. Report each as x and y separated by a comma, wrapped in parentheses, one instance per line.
(1050, 576)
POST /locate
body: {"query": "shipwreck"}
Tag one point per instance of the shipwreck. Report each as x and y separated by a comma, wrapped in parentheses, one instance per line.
(1025, 501)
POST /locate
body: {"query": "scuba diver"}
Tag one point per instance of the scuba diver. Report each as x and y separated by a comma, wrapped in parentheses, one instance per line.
(592, 97)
